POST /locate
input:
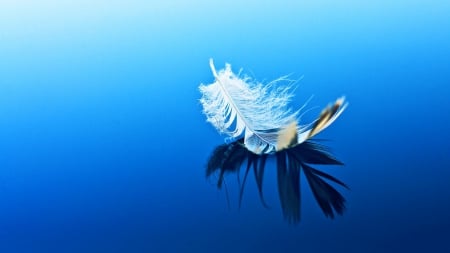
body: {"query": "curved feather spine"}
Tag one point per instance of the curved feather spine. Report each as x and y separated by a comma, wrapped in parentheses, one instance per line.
(227, 94)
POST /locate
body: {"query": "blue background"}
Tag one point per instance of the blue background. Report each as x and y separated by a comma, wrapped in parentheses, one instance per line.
(103, 143)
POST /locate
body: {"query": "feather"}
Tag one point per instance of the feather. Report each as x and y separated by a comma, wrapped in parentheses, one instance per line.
(258, 113)
(239, 108)
(259, 124)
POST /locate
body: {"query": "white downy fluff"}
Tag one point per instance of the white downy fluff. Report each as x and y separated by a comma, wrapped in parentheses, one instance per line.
(240, 108)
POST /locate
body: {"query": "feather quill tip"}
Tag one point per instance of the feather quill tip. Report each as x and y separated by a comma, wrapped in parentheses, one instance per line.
(328, 115)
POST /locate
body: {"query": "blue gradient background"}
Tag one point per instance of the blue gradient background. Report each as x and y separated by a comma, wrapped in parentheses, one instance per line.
(103, 143)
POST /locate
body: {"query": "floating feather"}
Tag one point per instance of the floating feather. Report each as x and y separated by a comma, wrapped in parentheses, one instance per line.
(240, 108)
(257, 119)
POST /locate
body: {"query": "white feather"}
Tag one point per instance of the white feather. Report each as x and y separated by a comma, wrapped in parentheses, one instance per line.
(241, 108)
(259, 113)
